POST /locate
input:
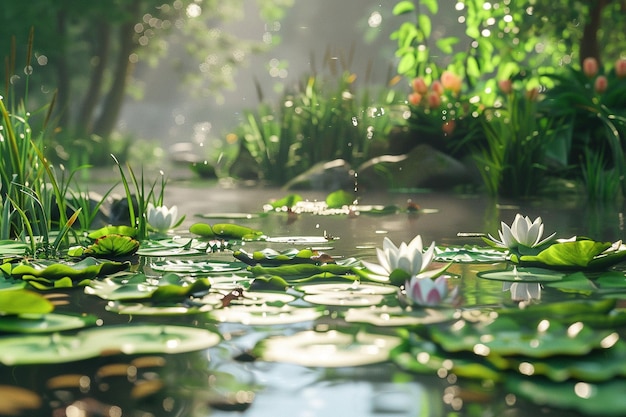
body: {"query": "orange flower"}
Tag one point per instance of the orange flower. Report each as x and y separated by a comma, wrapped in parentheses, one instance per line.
(437, 87)
(448, 127)
(590, 67)
(415, 99)
(601, 84)
(506, 86)
(419, 85)
(620, 68)
(451, 81)
(532, 94)
(434, 100)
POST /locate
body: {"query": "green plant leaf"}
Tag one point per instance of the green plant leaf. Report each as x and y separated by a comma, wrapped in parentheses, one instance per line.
(339, 198)
(403, 7)
(579, 254)
(113, 246)
(113, 230)
(225, 231)
(20, 301)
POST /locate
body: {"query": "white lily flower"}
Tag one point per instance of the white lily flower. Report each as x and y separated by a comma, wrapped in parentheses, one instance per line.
(523, 232)
(410, 258)
(162, 218)
(426, 291)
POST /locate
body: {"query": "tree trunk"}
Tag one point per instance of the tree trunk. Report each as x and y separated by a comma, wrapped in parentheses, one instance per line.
(589, 47)
(84, 123)
(105, 124)
(63, 76)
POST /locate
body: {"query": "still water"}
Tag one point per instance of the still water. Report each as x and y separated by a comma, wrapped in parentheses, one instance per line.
(226, 381)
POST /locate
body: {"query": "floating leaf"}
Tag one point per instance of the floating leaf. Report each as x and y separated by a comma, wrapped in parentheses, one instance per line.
(44, 323)
(265, 315)
(19, 301)
(474, 254)
(113, 230)
(11, 247)
(580, 254)
(269, 256)
(113, 246)
(396, 316)
(522, 275)
(225, 231)
(288, 201)
(339, 198)
(195, 267)
(327, 349)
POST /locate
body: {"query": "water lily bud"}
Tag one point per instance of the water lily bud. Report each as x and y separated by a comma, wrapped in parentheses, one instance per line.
(590, 67)
(419, 86)
(437, 87)
(506, 86)
(434, 100)
(601, 84)
(415, 98)
(620, 68)
(448, 127)
(451, 81)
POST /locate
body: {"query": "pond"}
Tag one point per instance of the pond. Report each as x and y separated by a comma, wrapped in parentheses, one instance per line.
(302, 369)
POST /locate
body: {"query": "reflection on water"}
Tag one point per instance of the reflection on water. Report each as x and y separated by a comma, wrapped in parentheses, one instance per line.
(223, 380)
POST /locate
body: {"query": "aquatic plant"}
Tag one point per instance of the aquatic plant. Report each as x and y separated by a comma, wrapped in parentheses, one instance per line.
(162, 218)
(399, 263)
(522, 232)
(427, 292)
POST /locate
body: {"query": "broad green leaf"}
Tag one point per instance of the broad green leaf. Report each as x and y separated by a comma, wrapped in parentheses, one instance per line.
(44, 323)
(403, 7)
(425, 25)
(113, 246)
(339, 198)
(433, 5)
(224, 231)
(22, 301)
(113, 230)
(568, 255)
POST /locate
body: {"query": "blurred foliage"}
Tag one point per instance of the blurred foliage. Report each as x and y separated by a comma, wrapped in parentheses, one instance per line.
(86, 52)
(323, 118)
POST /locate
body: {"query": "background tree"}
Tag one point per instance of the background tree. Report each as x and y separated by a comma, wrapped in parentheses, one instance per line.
(86, 52)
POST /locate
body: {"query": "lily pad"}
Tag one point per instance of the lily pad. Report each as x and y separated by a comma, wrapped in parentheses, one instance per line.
(113, 246)
(594, 399)
(344, 299)
(577, 255)
(269, 256)
(473, 254)
(384, 316)
(195, 267)
(352, 288)
(44, 323)
(225, 231)
(20, 301)
(163, 309)
(298, 240)
(522, 275)
(330, 349)
(265, 315)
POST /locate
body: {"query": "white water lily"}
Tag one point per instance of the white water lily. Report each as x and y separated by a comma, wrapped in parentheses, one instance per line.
(411, 258)
(161, 218)
(427, 292)
(523, 232)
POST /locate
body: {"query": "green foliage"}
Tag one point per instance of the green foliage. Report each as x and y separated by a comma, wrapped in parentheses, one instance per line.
(320, 121)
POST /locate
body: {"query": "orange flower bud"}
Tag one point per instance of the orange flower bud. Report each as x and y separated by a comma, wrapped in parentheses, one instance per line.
(437, 87)
(434, 100)
(448, 127)
(419, 85)
(590, 67)
(451, 81)
(532, 94)
(415, 99)
(506, 86)
(601, 84)
(620, 68)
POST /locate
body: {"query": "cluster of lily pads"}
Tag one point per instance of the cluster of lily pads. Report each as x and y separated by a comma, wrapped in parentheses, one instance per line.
(407, 308)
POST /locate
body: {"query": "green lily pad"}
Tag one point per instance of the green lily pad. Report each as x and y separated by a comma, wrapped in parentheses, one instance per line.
(286, 202)
(354, 287)
(113, 246)
(505, 336)
(343, 266)
(195, 267)
(90, 343)
(384, 316)
(47, 274)
(164, 309)
(20, 301)
(269, 256)
(265, 315)
(113, 230)
(577, 255)
(169, 288)
(522, 275)
(594, 399)
(340, 198)
(473, 254)
(11, 248)
(225, 231)
(330, 349)
(44, 323)
(172, 247)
